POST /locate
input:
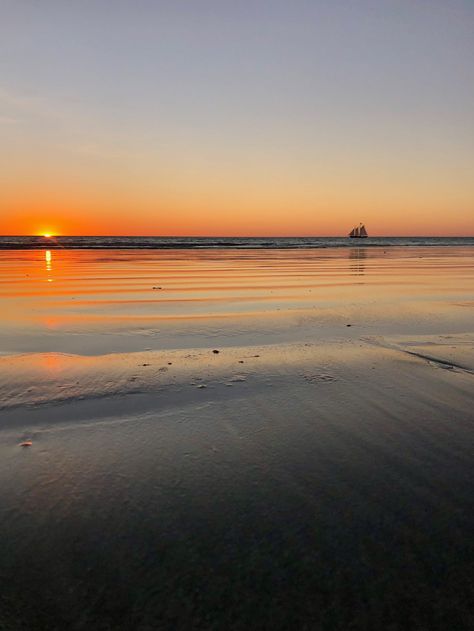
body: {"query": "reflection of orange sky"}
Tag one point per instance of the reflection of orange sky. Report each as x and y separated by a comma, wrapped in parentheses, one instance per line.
(92, 292)
(51, 362)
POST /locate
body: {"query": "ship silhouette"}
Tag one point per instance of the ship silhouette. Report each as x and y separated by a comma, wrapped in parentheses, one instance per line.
(358, 232)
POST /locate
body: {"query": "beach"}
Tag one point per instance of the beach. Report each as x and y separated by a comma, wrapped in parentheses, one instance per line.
(237, 438)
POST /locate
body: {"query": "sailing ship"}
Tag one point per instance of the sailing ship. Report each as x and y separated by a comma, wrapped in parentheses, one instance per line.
(358, 232)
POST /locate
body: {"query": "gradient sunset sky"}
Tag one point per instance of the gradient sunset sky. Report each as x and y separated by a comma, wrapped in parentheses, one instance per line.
(243, 117)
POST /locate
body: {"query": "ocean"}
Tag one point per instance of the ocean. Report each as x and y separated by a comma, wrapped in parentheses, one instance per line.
(159, 243)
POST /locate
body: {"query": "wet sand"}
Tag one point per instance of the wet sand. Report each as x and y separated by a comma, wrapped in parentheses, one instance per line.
(309, 475)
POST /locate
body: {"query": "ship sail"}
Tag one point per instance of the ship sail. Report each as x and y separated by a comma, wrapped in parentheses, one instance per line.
(358, 232)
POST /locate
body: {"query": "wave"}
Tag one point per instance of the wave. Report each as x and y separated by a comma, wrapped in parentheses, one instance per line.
(160, 243)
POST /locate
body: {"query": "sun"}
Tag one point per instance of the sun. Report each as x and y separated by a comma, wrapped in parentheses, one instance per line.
(46, 232)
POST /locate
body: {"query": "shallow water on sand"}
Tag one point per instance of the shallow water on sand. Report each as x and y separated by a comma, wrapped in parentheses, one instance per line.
(97, 302)
(309, 475)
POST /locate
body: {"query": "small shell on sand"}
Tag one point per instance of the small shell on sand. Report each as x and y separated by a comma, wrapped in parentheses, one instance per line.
(26, 443)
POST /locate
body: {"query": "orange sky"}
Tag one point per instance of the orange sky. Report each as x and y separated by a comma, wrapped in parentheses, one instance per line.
(43, 218)
(244, 209)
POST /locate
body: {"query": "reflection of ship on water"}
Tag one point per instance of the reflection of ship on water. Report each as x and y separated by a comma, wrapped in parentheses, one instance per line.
(358, 232)
(357, 258)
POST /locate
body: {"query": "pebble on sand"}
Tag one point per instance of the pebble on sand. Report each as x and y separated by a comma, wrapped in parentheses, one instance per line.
(26, 443)
(215, 351)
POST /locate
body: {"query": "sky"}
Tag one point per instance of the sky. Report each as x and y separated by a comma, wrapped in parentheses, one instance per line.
(243, 117)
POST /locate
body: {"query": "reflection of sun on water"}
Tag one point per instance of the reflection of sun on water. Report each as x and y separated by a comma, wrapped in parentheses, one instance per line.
(48, 258)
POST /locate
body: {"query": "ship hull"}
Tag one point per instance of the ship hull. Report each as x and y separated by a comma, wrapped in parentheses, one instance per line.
(357, 236)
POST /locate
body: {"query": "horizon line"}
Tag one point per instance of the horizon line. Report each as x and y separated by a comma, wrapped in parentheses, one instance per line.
(191, 236)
